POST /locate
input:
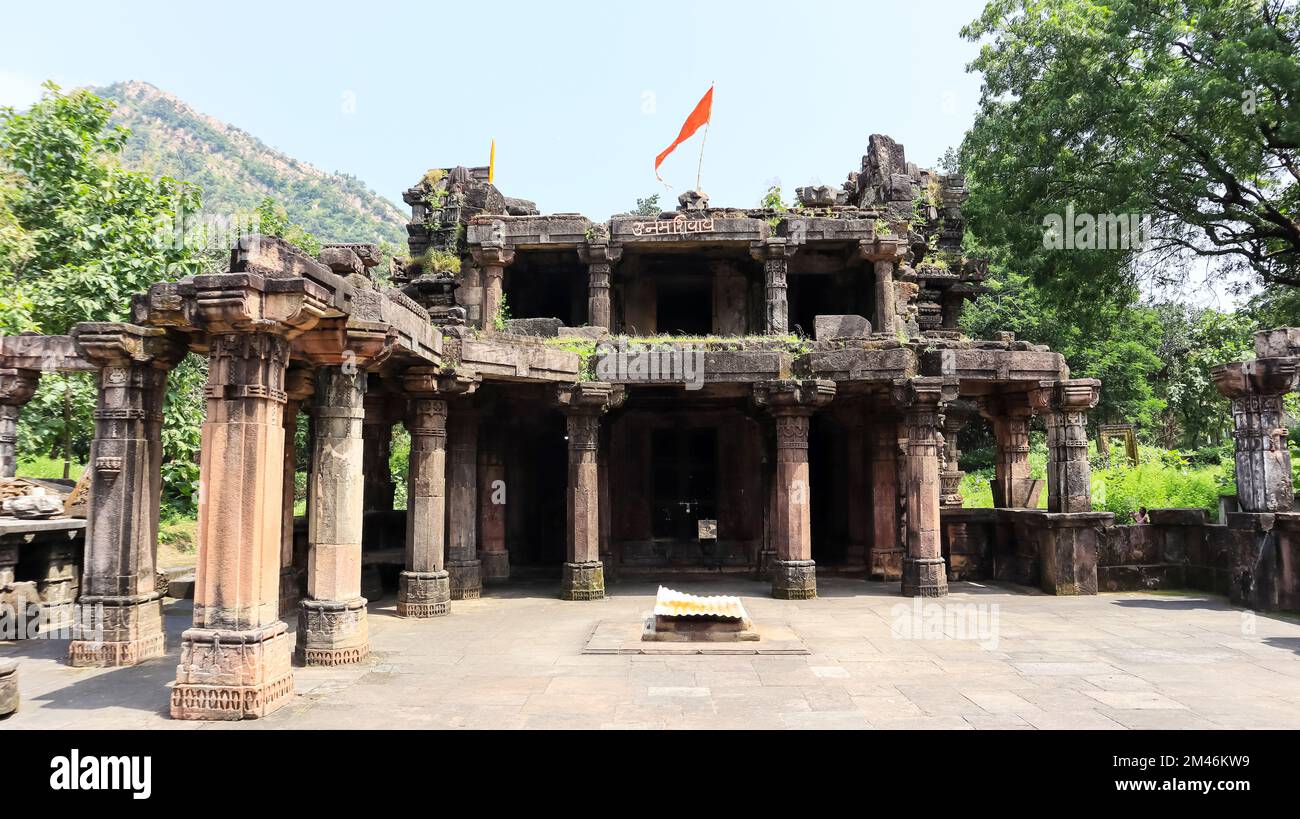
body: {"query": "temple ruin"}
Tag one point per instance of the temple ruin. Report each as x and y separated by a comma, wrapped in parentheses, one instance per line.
(773, 393)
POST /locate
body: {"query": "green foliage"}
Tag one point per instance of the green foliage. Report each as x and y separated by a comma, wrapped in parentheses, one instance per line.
(648, 206)
(1158, 483)
(1180, 109)
(79, 235)
(440, 261)
(502, 315)
(273, 220)
(86, 234)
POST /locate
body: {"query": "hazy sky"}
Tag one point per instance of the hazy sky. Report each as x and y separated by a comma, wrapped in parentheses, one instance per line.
(579, 96)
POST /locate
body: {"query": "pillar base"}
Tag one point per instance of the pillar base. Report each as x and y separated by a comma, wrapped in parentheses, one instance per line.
(582, 581)
(496, 566)
(885, 564)
(332, 632)
(232, 675)
(423, 595)
(290, 583)
(925, 577)
(8, 687)
(466, 579)
(794, 579)
(115, 633)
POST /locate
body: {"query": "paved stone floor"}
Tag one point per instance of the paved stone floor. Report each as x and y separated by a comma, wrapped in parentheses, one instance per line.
(514, 660)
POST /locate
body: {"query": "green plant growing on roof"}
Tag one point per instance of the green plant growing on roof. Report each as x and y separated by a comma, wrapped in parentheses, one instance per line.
(440, 261)
(502, 315)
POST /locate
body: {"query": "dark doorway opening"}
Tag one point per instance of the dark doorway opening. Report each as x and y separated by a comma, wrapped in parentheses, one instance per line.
(828, 490)
(536, 476)
(685, 306)
(811, 296)
(684, 481)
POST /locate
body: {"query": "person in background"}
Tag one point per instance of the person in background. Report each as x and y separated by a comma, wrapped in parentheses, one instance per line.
(1141, 516)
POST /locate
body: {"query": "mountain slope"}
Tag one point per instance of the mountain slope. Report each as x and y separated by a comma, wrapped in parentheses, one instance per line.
(236, 170)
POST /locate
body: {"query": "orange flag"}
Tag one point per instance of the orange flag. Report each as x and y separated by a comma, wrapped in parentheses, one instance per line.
(700, 116)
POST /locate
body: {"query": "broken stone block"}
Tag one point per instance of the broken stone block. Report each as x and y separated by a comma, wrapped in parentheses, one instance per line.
(831, 327)
(544, 327)
(8, 687)
(819, 196)
(342, 260)
(693, 200)
(593, 333)
(33, 507)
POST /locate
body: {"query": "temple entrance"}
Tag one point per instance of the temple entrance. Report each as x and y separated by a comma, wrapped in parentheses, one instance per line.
(686, 486)
(684, 463)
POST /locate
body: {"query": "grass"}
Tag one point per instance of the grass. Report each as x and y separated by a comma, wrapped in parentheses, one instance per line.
(178, 542)
(45, 467)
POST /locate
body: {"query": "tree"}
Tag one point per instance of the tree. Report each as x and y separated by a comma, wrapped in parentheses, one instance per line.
(648, 206)
(78, 237)
(1183, 110)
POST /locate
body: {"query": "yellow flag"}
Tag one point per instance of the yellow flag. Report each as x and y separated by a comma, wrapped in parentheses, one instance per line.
(492, 163)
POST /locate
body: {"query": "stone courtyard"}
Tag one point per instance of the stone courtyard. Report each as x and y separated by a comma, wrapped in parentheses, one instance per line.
(515, 659)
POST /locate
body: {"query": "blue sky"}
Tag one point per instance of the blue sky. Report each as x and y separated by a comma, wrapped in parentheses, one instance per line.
(579, 96)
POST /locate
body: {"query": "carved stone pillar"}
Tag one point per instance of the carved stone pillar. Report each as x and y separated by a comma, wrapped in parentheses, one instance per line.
(235, 661)
(599, 259)
(462, 502)
(300, 384)
(1263, 462)
(583, 575)
(1009, 414)
(792, 404)
(121, 622)
(492, 260)
(885, 560)
(775, 255)
(425, 587)
(1066, 404)
(16, 389)
(332, 626)
(955, 416)
(492, 512)
(922, 401)
(377, 450)
(884, 253)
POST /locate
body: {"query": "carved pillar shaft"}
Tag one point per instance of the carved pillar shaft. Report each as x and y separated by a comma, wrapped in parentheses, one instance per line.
(886, 309)
(235, 661)
(425, 587)
(462, 503)
(121, 623)
(1262, 459)
(492, 513)
(584, 576)
(774, 254)
(1068, 473)
(922, 401)
(16, 389)
(886, 558)
(792, 404)
(300, 384)
(332, 626)
(377, 451)
(492, 261)
(598, 307)
(954, 420)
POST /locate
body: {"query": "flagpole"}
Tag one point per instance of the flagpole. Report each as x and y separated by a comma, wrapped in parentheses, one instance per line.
(700, 169)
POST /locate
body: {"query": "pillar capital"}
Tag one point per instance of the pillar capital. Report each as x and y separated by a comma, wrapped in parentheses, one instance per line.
(589, 397)
(254, 303)
(599, 253)
(1263, 376)
(794, 396)
(490, 256)
(923, 394)
(882, 249)
(773, 248)
(117, 344)
(363, 344)
(17, 386)
(299, 383)
(1069, 395)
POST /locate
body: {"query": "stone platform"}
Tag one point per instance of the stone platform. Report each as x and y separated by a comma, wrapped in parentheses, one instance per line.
(515, 659)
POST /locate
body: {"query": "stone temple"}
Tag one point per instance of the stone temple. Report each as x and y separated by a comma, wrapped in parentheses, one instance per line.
(711, 389)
